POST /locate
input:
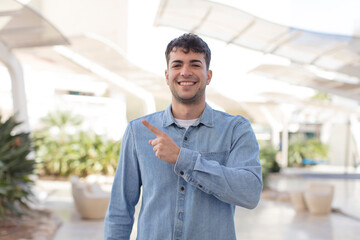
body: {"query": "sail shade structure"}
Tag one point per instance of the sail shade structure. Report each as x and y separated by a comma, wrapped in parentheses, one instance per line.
(303, 77)
(96, 50)
(21, 26)
(335, 54)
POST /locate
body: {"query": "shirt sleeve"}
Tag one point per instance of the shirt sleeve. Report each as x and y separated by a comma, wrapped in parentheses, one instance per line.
(125, 192)
(238, 181)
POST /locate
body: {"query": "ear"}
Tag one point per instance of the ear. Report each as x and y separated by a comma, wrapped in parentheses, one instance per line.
(209, 76)
(167, 76)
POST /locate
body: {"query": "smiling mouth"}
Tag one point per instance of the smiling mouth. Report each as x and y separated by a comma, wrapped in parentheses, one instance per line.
(186, 83)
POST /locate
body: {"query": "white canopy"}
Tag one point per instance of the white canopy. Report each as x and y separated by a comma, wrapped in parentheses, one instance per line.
(21, 26)
(330, 63)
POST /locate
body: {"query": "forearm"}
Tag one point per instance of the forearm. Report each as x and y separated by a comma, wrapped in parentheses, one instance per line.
(125, 192)
(120, 215)
(239, 185)
(117, 228)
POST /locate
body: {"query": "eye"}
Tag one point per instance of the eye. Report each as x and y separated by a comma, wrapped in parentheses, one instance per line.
(196, 65)
(176, 66)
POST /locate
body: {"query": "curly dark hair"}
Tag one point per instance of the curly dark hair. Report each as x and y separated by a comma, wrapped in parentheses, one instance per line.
(189, 42)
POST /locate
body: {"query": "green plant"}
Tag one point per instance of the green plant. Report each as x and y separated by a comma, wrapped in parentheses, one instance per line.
(15, 168)
(60, 153)
(300, 149)
(267, 156)
(321, 96)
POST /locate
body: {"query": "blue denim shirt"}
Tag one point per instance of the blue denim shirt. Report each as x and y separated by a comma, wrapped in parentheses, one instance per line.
(217, 168)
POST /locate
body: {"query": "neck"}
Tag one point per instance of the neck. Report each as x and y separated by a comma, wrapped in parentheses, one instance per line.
(187, 111)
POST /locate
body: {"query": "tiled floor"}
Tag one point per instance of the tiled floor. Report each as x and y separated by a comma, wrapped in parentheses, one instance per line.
(346, 194)
(56, 196)
(278, 221)
(271, 220)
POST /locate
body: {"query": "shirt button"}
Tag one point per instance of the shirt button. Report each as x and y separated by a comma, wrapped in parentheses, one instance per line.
(200, 186)
(182, 188)
(185, 138)
(181, 173)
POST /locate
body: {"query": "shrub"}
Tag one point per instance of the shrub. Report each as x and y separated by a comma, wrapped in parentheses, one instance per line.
(311, 148)
(60, 153)
(15, 168)
(267, 156)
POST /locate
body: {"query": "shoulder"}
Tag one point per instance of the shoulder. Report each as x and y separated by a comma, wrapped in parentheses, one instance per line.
(236, 126)
(223, 117)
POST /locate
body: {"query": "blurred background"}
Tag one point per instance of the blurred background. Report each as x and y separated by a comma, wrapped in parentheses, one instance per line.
(76, 72)
(291, 67)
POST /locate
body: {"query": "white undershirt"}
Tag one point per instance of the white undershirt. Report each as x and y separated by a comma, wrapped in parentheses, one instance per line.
(185, 123)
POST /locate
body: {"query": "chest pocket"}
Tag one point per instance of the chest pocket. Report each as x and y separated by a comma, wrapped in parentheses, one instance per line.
(220, 157)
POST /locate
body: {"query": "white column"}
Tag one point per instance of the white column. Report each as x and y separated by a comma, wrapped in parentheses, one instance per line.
(18, 88)
(276, 126)
(355, 134)
(285, 144)
(287, 110)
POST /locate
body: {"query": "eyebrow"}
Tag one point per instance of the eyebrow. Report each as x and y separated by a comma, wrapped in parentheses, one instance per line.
(196, 61)
(176, 61)
(191, 61)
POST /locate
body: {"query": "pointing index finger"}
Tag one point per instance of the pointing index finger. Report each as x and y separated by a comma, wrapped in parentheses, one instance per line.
(152, 128)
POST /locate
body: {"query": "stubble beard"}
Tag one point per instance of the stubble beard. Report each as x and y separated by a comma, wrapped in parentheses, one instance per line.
(198, 96)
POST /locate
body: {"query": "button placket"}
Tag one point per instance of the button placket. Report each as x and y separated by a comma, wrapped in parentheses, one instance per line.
(179, 220)
(180, 209)
(185, 141)
(186, 138)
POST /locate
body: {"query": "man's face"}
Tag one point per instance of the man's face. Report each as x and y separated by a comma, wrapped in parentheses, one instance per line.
(187, 76)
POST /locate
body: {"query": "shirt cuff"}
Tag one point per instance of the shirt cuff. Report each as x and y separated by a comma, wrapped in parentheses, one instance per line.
(185, 163)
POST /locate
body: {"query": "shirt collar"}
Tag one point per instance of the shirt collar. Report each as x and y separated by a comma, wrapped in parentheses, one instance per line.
(206, 117)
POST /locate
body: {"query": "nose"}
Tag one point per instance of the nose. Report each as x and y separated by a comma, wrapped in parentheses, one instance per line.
(186, 72)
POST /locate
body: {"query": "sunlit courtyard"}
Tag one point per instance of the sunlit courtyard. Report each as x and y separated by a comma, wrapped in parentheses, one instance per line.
(73, 74)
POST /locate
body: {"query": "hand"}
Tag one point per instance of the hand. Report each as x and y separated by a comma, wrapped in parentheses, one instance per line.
(164, 147)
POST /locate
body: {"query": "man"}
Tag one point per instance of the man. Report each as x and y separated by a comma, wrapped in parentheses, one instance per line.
(194, 164)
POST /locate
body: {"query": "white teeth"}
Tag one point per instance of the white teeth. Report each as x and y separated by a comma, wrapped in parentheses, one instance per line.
(186, 83)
